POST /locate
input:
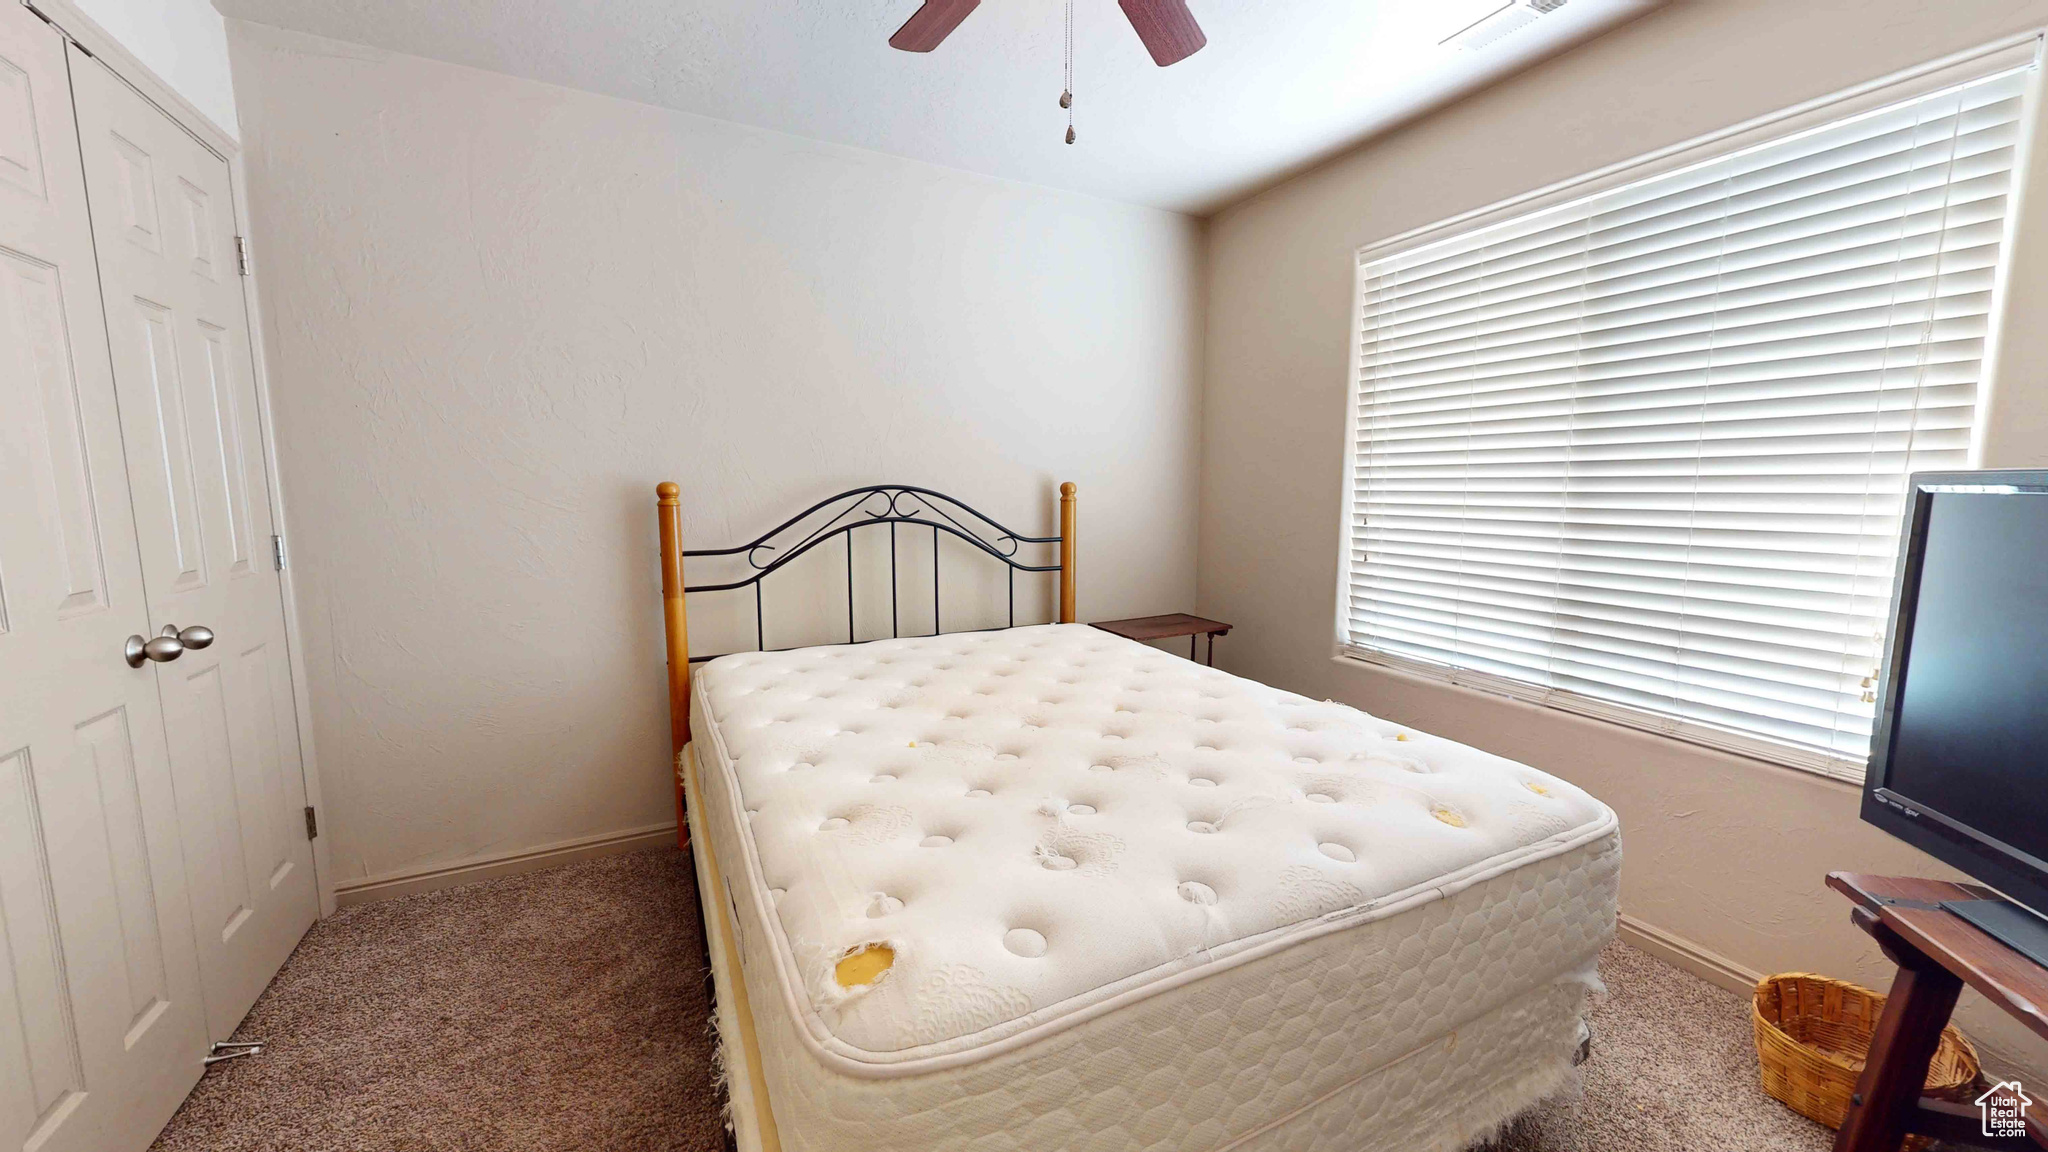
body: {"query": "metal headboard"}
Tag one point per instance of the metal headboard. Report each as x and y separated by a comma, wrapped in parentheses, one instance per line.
(894, 505)
(882, 504)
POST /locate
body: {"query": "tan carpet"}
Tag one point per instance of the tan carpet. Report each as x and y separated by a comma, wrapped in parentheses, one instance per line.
(565, 1010)
(1673, 1067)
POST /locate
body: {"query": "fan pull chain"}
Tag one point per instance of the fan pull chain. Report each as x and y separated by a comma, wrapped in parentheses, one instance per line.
(1067, 90)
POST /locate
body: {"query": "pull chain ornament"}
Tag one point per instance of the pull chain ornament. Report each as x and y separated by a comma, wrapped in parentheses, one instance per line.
(1067, 91)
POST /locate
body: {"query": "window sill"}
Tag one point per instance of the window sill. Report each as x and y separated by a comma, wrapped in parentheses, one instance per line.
(1746, 748)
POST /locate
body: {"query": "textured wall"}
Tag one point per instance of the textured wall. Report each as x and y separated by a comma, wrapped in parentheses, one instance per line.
(1725, 851)
(500, 311)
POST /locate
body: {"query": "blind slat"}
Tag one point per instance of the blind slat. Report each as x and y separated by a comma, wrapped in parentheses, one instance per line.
(1643, 455)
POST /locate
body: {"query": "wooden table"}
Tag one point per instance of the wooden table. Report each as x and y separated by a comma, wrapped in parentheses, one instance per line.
(1166, 627)
(1937, 953)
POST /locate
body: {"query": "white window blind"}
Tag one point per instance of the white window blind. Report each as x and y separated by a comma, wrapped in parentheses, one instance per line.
(1642, 454)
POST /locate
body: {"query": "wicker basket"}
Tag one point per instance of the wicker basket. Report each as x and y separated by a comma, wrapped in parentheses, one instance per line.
(1812, 1034)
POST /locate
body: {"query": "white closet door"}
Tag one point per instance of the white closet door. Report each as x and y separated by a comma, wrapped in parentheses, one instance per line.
(163, 219)
(101, 1027)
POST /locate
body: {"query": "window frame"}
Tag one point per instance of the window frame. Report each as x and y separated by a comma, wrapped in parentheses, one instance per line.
(2005, 55)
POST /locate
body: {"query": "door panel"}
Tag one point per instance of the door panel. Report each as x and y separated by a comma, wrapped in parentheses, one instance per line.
(134, 193)
(220, 885)
(21, 154)
(178, 330)
(265, 804)
(101, 1025)
(52, 420)
(51, 1076)
(201, 247)
(108, 750)
(229, 445)
(181, 558)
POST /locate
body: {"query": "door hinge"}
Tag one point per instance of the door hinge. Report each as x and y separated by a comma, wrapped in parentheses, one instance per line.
(277, 552)
(312, 824)
(242, 254)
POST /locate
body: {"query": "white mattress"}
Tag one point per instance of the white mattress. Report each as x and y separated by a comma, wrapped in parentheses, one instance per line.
(1133, 901)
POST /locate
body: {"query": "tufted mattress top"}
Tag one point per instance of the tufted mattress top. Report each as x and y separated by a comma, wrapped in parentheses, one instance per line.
(964, 842)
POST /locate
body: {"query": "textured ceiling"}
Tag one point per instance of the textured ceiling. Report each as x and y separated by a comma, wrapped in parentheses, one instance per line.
(1281, 84)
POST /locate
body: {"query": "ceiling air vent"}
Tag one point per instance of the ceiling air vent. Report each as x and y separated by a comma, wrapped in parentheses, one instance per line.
(1507, 19)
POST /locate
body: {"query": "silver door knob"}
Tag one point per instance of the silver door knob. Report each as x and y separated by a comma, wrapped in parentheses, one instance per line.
(161, 649)
(196, 637)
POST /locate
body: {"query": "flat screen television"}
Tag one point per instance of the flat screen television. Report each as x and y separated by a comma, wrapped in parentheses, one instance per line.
(1959, 763)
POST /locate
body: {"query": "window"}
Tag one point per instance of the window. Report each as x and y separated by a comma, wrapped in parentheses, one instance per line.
(1640, 454)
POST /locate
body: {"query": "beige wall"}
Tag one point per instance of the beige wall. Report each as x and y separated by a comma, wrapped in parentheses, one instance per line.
(499, 311)
(1724, 852)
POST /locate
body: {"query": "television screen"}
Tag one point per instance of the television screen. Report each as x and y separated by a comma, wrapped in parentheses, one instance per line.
(1966, 736)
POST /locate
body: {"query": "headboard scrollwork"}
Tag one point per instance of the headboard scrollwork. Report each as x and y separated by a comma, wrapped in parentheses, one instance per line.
(895, 506)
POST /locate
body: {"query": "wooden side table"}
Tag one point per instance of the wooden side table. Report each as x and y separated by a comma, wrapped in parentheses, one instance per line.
(1166, 627)
(1937, 953)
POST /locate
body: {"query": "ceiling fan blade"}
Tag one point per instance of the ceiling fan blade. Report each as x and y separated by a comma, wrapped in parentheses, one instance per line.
(932, 23)
(1167, 28)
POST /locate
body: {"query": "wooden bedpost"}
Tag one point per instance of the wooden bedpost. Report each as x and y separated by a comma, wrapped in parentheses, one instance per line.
(1067, 552)
(669, 514)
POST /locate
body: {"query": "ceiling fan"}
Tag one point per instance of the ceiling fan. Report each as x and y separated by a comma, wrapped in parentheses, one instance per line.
(1166, 26)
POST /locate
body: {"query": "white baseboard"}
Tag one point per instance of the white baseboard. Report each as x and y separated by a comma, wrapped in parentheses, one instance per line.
(1679, 952)
(412, 881)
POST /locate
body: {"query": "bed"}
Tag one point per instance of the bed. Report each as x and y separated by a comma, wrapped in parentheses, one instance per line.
(1042, 887)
